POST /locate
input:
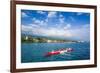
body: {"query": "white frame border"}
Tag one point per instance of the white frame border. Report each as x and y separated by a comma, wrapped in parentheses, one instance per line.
(20, 65)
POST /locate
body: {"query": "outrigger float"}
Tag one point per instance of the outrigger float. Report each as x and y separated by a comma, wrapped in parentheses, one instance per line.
(61, 51)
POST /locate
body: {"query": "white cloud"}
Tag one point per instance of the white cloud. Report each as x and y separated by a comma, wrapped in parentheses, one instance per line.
(72, 18)
(57, 32)
(81, 33)
(50, 31)
(80, 13)
(39, 22)
(24, 14)
(41, 12)
(26, 28)
(86, 26)
(51, 14)
(67, 26)
(61, 16)
(46, 20)
(61, 20)
(34, 25)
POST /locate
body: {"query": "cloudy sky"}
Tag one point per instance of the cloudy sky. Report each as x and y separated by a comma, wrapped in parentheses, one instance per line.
(67, 25)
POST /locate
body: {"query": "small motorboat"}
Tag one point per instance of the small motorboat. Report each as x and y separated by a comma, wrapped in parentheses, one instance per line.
(61, 51)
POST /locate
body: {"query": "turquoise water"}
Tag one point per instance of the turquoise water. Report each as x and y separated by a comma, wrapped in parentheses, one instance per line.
(35, 52)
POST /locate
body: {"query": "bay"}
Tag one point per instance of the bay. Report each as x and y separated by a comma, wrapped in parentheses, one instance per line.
(35, 52)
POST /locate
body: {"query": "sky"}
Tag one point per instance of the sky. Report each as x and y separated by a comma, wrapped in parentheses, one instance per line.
(57, 24)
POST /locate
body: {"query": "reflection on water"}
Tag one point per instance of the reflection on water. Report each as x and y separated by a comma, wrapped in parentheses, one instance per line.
(35, 52)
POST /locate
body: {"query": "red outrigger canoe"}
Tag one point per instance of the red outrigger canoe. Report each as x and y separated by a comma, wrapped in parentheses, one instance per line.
(59, 52)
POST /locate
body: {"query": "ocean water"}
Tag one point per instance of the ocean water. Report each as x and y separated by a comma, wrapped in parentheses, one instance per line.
(35, 52)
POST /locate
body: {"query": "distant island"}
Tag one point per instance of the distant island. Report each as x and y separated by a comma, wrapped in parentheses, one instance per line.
(31, 39)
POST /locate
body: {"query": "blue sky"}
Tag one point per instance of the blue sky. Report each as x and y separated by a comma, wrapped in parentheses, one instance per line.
(67, 25)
